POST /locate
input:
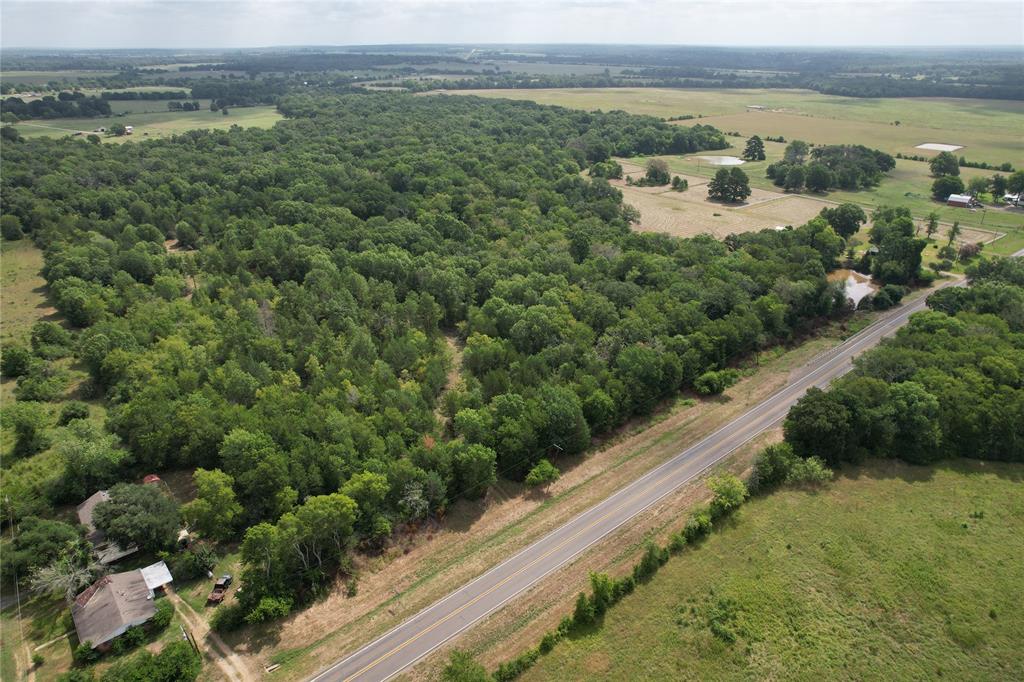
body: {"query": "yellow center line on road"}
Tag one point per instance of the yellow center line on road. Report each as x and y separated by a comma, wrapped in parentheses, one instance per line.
(628, 501)
(866, 337)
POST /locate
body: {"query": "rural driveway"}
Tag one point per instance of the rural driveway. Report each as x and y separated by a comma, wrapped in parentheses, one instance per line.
(429, 629)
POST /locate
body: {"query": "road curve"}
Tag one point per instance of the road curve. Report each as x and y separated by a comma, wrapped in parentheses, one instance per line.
(417, 637)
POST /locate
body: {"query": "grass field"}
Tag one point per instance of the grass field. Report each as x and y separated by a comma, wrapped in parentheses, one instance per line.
(907, 185)
(988, 129)
(689, 213)
(892, 572)
(25, 302)
(43, 77)
(157, 124)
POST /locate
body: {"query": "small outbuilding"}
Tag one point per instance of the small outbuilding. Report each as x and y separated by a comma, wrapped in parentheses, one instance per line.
(157, 576)
(961, 200)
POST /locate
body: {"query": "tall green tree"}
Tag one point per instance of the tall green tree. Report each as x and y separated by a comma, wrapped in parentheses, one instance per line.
(214, 512)
(944, 163)
(754, 150)
(730, 185)
(141, 515)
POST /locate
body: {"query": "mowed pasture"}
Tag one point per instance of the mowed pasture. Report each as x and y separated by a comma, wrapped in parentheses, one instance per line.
(891, 572)
(689, 213)
(907, 185)
(44, 77)
(155, 124)
(988, 129)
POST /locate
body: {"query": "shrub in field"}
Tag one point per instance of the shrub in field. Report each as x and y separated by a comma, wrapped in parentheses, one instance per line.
(462, 667)
(72, 410)
(164, 613)
(269, 608)
(697, 526)
(730, 492)
(228, 617)
(715, 381)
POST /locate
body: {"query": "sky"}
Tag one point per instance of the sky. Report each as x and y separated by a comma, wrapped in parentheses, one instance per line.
(262, 23)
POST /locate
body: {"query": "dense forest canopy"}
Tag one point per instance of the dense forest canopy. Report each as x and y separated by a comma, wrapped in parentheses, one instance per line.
(297, 344)
(948, 385)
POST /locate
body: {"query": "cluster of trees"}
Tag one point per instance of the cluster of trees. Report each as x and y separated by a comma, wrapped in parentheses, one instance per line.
(240, 92)
(176, 662)
(295, 353)
(946, 170)
(183, 106)
(133, 95)
(897, 258)
(730, 185)
(64, 105)
(822, 168)
(948, 385)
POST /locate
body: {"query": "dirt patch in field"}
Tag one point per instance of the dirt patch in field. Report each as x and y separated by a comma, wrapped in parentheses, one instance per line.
(787, 210)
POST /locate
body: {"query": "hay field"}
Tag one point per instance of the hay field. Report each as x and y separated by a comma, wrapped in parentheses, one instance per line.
(156, 125)
(989, 129)
(689, 213)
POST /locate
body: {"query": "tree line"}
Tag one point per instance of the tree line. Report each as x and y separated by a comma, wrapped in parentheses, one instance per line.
(64, 105)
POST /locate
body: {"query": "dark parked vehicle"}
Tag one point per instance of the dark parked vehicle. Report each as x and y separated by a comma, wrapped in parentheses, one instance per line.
(220, 590)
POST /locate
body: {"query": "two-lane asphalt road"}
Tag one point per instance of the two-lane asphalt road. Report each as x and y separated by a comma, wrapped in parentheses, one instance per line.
(435, 625)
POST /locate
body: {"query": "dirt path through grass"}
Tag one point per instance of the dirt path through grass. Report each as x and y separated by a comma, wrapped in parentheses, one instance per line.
(232, 665)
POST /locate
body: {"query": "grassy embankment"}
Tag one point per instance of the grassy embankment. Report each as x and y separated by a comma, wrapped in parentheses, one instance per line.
(891, 572)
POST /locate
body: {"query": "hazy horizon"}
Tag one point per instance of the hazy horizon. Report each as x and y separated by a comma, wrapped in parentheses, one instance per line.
(254, 24)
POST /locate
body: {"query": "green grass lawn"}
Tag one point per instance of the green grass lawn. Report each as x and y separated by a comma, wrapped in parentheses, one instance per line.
(155, 124)
(891, 572)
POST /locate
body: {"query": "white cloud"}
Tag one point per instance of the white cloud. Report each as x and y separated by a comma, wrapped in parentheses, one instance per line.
(251, 23)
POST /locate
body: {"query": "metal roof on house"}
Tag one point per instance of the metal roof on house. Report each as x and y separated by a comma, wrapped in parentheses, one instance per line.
(156, 575)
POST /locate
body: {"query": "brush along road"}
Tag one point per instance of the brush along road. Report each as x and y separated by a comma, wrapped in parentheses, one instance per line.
(431, 628)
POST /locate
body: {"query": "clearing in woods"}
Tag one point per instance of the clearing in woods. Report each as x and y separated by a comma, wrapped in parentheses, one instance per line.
(155, 124)
(813, 585)
(689, 213)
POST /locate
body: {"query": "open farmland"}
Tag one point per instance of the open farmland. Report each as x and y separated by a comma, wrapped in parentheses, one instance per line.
(813, 585)
(44, 77)
(155, 125)
(989, 130)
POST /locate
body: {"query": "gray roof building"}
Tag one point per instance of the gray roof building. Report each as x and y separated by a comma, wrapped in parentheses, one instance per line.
(107, 552)
(110, 606)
